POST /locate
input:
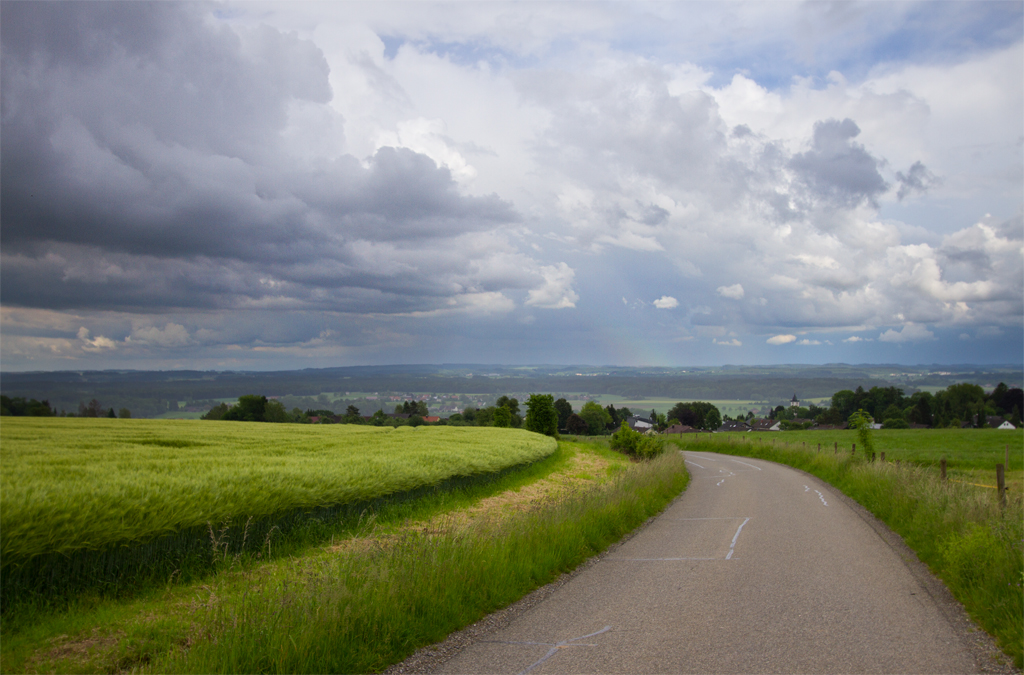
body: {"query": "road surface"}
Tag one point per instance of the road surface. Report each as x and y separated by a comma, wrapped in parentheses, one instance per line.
(756, 568)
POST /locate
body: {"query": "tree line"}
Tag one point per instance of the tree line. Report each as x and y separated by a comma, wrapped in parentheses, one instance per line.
(19, 406)
(955, 406)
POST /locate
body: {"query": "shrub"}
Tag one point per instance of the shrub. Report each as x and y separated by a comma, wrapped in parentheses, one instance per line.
(635, 444)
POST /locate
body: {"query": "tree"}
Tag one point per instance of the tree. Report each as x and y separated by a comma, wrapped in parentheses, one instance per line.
(541, 416)
(712, 419)
(960, 402)
(614, 415)
(124, 413)
(564, 410)
(217, 412)
(502, 417)
(512, 405)
(861, 421)
(413, 408)
(250, 408)
(94, 409)
(576, 425)
(697, 414)
(274, 411)
(920, 409)
(596, 417)
(485, 416)
(22, 407)
(845, 403)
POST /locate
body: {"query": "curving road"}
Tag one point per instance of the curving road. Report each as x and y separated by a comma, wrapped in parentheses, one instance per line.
(756, 568)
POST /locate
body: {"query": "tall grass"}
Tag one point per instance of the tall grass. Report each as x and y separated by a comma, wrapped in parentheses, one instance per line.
(362, 611)
(970, 541)
(107, 503)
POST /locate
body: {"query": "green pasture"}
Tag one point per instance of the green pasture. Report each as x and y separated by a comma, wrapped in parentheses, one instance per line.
(71, 483)
(971, 454)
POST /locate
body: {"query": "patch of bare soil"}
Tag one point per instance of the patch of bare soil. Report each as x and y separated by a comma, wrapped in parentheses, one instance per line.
(76, 652)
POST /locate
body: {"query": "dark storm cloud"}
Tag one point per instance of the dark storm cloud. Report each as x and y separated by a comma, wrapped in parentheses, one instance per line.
(144, 166)
(836, 169)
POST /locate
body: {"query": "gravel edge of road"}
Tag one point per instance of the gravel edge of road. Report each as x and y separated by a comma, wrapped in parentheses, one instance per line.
(987, 656)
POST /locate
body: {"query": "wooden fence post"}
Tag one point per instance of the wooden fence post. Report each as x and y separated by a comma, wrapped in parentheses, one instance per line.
(942, 469)
(883, 456)
(1001, 483)
(853, 450)
(872, 457)
(819, 447)
(837, 448)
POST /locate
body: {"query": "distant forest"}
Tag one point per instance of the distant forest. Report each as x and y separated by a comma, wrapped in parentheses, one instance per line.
(153, 393)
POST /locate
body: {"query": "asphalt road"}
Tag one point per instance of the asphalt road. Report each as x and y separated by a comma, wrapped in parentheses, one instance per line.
(756, 568)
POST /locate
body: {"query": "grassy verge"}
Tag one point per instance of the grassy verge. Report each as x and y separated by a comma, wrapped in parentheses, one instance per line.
(363, 611)
(960, 531)
(411, 574)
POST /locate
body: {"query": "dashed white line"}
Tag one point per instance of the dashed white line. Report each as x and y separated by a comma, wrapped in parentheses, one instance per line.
(745, 464)
(694, 463)
(732, 546)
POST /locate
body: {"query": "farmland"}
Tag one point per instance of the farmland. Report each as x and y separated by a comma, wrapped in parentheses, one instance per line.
(86, 485)
(511, 530)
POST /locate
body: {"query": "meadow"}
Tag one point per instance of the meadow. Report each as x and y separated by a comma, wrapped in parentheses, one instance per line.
(408, 575)
(971, 454)
(91, 498)
(958, 527)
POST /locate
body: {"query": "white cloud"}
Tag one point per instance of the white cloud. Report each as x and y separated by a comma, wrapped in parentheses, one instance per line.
(910, 333)
(99, 343)
(806, 341)
(557, 291)
(735, 291)
(832, 191)
(781, 339)
(728, 343)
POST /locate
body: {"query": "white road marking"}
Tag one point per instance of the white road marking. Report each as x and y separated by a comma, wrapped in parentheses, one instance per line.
(706, 459)
(745, 464)
(554, 646)
(732, 546)
(820, 496)
(694, 463)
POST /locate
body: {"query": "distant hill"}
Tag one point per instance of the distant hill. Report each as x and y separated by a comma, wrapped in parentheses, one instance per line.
(151, 393)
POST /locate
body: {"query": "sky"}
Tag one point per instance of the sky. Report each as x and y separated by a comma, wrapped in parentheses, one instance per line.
(265, 186)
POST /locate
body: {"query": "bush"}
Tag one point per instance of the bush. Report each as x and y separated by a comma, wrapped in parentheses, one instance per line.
(895, 423)
(635, 444)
